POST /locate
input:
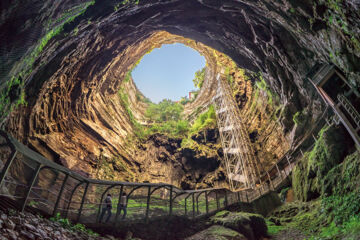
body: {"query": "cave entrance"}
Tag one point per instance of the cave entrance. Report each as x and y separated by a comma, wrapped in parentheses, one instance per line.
(170, 72)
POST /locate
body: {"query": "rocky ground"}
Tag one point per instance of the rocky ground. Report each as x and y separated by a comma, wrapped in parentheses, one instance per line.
(234, 226)
(16, 225)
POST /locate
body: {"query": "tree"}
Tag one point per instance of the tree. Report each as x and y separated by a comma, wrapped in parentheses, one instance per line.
(199, 78)
(166, 110)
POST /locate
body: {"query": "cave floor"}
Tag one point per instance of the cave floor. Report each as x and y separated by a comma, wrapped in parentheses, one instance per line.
(287, 234)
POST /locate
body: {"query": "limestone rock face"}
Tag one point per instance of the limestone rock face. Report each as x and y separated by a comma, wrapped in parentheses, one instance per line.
(71, 80)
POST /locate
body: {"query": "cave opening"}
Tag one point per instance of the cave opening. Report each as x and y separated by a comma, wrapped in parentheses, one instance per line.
(169, 72)
(68, 94)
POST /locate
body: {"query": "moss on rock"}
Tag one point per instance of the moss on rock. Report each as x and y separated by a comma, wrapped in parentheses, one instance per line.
(217, 232)
(330, 149)
(251, 225)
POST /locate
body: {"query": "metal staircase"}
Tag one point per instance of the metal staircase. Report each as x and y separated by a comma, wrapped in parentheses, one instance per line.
(350, 109)
(241, 164)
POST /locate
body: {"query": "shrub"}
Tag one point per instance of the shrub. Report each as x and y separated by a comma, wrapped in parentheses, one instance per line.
(199, 78)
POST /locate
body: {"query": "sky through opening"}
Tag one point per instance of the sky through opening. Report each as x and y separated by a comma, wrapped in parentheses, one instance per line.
(167, 72)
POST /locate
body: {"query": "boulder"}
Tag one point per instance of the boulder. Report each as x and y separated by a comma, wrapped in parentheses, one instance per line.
(217, 232)
(252, 226)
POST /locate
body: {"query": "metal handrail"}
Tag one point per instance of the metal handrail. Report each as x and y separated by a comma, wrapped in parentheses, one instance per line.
(251, 194)
(350, 109)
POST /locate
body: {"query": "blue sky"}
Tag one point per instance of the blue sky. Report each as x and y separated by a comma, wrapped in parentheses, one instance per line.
(167, 72)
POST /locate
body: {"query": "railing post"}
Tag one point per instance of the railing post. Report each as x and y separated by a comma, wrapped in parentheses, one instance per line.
(217, 200)
(148, 204)
(197, 204)
(82, 202)
(226, 199)
(32, 182)
(247, 198)
(60, 193)
(281, 176)
(288, 160)
(7, 167)
(71, 196)
(271, 183)
(171, 201)
(207, 202)
(118, 205)
(186, 206)
(193, 200)
(238, 196)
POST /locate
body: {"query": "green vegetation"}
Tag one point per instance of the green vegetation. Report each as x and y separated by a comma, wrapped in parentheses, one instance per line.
(336, 17)
(166, 118)
(229, 77)
(124, 99)
(273, 229)
(262, 85)
(326, 175)
(124, 2)
(204, 120)
(299, 118)
(309, 175)
(237, 220)
(199, 78)
(65, 223)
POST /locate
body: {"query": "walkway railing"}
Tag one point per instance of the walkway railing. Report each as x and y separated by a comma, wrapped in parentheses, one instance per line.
(33, 181)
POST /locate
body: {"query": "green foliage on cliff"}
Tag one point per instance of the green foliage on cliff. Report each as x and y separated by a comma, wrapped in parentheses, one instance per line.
(199, 78)
(138, 128)
(204, 120)
(166, 118)
(262, 85)
(328, 151)
(166, 110)
(333, 179)
(298, 118)
(124, 2)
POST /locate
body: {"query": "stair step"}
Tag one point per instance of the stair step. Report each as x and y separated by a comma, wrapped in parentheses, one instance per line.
(232, 150)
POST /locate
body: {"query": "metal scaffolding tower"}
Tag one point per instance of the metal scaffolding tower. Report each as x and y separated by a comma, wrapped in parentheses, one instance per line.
(240, 161)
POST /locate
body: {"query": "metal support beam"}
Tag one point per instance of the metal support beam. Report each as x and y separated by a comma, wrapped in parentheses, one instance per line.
(148, 204)
(7, 167)
(32, 182)
(197, 204)
(207, 202)
(118, 205)
(193, 201)
(60, 193)
(171, 201)
(71, 196)
(101, 201)
(281, 176)
(270, 181)
(226, 199)
(217, 200)
(82, 202)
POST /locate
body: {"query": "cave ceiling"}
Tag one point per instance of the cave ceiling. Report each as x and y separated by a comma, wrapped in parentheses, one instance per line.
(69, 86)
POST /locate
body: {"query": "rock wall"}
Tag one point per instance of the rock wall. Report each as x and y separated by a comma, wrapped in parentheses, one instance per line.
(76, 62)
